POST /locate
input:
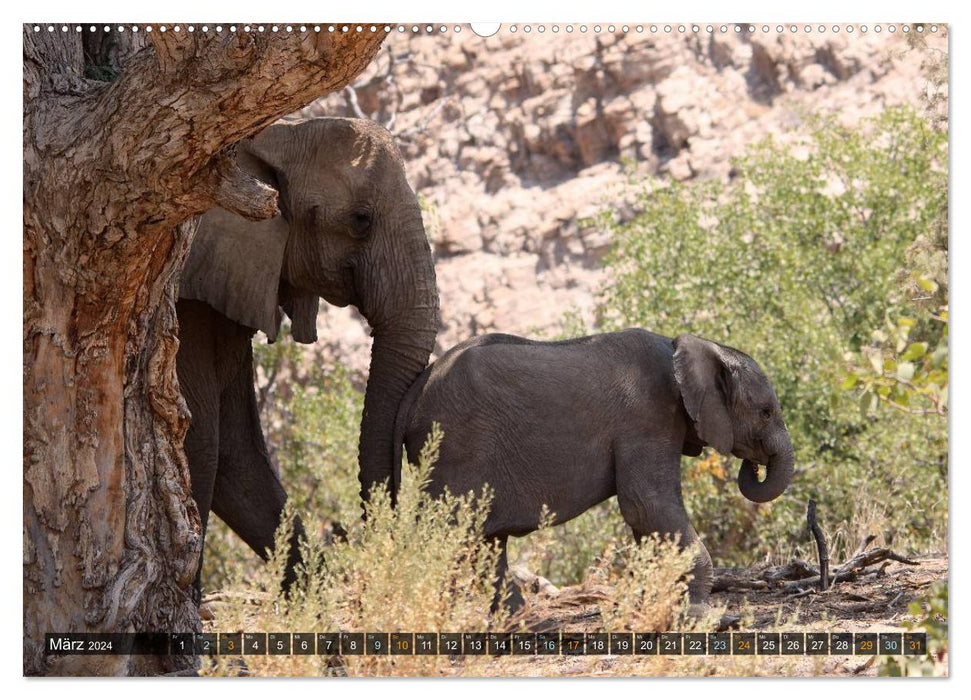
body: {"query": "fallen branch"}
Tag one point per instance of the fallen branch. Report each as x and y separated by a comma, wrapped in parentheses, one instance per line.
(760, 580)
(866, 544)
(871, 557)
(729, 581)
(795, 569)
(855, 567)
(798, 575)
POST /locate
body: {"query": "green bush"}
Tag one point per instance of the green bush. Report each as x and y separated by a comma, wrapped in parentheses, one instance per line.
(928, 615)
(810, 248)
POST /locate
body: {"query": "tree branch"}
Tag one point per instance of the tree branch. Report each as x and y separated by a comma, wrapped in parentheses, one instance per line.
(237, 191)
(178, 103)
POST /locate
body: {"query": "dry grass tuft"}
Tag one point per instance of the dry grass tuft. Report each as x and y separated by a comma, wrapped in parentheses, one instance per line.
(423, 566)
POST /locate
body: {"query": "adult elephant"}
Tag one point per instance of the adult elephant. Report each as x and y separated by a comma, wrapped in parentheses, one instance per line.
(350, 231)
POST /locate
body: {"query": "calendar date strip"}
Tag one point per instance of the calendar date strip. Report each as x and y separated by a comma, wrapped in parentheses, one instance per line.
(490, 643)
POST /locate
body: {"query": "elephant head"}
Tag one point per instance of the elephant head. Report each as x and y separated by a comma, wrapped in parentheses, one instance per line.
(350, 231)
(735, 410)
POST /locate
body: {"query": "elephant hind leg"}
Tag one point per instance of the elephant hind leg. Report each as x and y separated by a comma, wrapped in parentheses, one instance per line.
(514, 600)
(248, 495)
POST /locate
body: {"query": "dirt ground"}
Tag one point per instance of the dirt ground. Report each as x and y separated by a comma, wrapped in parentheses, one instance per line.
(876, 601)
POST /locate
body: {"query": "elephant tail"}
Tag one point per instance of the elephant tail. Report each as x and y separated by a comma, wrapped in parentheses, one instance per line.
(401, 422)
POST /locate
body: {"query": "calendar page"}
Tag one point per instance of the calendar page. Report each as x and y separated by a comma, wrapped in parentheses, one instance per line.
(468, 350)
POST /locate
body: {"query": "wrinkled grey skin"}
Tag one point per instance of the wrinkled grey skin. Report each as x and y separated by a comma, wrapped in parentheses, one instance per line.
(350, 232)
(569, 424)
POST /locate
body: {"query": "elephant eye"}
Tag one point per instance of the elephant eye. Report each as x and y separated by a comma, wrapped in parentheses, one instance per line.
(361, 221)
(767, 412)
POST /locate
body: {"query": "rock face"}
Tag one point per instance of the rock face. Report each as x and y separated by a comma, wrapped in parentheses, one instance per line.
(515, 142)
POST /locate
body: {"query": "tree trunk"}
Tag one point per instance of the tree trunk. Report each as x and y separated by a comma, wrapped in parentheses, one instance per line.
(124, 143)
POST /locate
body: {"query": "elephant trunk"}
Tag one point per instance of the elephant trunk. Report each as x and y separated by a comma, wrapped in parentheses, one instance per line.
(778, 476)
(404, 337)
(396, 361)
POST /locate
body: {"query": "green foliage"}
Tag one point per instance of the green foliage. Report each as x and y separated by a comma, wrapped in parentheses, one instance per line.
(813, 245)
(905, 364)
(930, 616)
(312, 415)
(902, 372)
(793, 259)
(319, 449)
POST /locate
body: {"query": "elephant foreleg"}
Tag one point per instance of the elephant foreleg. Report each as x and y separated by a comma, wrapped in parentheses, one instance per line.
(199, 382)
(201, 446)
(248, 495)
(649, 495)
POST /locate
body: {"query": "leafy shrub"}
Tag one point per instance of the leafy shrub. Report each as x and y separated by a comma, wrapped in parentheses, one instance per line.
(928, 615)
(797, 260)
(905, 364)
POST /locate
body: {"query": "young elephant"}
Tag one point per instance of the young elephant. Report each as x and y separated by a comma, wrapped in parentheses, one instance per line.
(571, 423)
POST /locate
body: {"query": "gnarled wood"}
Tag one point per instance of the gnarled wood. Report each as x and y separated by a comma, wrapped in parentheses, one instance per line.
(113, 174)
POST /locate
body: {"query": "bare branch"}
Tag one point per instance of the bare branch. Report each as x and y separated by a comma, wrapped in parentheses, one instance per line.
(351, 96)
(422, 125)
(237, 191)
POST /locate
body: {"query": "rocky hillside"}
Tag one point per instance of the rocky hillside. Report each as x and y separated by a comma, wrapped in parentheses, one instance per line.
(514, 141)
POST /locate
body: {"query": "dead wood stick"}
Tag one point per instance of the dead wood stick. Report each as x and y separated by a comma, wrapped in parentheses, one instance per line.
(762, 579)
(874, 556)
(866, 543)
(893, 602)
(821, 547)
(796, 569)
(737, 579)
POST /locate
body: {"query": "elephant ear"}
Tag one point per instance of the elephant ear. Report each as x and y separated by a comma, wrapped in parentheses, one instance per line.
(302, 310)
(234, 265)
(704, 373)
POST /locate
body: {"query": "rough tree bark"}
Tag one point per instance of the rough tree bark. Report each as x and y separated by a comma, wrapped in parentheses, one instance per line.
(116, 165)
